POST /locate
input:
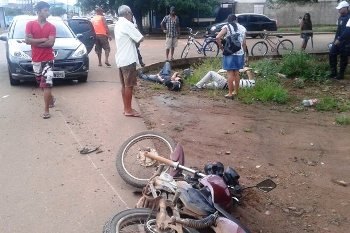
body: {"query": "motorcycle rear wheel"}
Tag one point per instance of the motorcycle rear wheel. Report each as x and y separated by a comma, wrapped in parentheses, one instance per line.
(133, 167)
(139, 220)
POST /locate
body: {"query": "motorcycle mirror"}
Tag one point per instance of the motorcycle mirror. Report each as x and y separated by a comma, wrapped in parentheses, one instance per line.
(266, 185)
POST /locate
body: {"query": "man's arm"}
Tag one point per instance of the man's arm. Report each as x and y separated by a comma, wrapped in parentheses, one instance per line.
(48, 43)
(178, 26)
(163, 23)
(30, 40)
(106, 27)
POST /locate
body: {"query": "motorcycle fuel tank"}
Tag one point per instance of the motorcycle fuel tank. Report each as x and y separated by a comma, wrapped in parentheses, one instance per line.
(219, 191)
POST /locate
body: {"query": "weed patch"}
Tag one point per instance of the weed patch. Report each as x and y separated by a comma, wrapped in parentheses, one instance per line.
(342, 120)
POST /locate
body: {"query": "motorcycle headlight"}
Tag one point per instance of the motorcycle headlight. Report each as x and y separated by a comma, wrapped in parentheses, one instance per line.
(79, 52)
(213, 28)
(16, 53)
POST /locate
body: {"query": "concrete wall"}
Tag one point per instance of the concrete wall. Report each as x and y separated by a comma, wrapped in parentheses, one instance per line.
(287, 15)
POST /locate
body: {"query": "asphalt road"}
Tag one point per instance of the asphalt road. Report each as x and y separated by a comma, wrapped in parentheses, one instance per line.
(46, 184)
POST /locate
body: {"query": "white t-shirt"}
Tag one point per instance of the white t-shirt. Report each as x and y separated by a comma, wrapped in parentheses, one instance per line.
(241, 30)
(126, 37)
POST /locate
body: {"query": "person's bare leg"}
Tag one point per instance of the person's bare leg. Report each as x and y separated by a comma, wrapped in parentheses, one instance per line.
(172, 53)
(236, 80)
(99, 55)
(47, 99)
(123, 96)
(106, 56)
(230, 80)
(167, 53)
(127, 98)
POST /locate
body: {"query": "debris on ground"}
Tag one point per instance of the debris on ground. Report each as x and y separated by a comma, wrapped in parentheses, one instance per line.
(87, 150)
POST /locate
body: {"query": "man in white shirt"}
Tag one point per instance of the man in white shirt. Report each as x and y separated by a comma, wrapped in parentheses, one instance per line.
(126, 38)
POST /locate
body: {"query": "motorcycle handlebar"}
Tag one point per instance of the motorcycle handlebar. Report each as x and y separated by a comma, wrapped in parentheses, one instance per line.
(173, 164)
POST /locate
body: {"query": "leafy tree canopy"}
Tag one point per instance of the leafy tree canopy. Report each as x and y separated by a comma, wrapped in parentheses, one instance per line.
(57, 11)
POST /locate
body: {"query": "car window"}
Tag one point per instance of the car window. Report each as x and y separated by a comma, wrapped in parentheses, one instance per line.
(62, 31)
(80, 26)
(254, 18)
(263, 19)
(242, 19)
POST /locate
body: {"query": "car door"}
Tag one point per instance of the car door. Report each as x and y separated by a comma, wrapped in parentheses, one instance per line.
(85, 31)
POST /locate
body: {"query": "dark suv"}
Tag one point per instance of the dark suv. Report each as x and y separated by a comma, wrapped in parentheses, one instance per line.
(252, 22)
(72, 45)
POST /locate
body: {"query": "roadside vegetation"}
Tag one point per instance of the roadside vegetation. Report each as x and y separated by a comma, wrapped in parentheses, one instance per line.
(317, 28)
(288, 81)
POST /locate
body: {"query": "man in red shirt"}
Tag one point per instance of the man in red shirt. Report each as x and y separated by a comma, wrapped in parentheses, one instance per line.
(41, 35)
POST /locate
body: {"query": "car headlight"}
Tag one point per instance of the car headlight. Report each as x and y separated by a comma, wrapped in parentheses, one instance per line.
(79, 52)
(16, 53)
(213, 28)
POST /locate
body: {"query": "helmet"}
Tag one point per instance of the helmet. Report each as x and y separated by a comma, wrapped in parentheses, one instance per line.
(215, 168)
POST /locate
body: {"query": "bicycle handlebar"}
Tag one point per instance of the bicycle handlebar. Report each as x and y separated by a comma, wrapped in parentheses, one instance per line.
(190, 29)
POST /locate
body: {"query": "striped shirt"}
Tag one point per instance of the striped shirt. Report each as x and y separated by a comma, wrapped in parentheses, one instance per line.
(171, 25)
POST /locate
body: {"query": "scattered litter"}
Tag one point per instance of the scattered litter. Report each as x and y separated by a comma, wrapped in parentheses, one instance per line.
(86, 150)
(228, 152)
(258, 166)
(5, 96)
(311, 144)
(340, 182)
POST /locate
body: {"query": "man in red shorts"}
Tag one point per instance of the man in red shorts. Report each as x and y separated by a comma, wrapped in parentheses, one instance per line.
(41, 34)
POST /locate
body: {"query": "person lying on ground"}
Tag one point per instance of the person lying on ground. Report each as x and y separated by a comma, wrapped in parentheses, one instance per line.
(163, 76)
(175, 82)
(214, 80)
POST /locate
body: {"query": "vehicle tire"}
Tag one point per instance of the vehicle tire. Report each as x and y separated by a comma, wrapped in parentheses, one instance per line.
(259, 49)
(13, 82)
(83, 79)
(133, 167)
(185, 51)
(286, 46)
(211, 49)
(136, 220)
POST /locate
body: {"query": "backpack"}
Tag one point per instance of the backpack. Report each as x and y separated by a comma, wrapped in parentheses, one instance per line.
(232, 43)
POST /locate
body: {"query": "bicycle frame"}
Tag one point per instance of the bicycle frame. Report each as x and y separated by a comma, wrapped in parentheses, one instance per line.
(272, 44)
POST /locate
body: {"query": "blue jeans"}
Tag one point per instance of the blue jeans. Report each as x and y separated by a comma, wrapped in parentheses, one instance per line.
(165, 73)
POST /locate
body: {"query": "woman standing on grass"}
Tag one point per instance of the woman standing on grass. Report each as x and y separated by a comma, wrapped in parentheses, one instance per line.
(305, 25)
(232, 63)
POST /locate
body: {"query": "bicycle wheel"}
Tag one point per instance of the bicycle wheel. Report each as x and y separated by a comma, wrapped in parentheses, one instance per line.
(132, 165)
(285, 47)
(211, 49)
(259, 49)
(185, 51)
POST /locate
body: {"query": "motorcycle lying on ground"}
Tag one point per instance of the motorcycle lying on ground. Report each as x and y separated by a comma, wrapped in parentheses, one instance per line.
(173, 201)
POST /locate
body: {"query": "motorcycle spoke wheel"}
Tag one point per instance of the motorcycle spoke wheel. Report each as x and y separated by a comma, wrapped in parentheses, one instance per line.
(211, 49)
(259, 49)
(285, 47)
(132, 164)
(139, 220)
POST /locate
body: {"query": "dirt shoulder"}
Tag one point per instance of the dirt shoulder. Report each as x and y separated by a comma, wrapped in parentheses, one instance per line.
(304, 152)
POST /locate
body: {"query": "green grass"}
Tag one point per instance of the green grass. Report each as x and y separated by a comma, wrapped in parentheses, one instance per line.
(329, 103)
(265, 91)
(342, 120)
(201, 69)
(157, 86)
(304, 66)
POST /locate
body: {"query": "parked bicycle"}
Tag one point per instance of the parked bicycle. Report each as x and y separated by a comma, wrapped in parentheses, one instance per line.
(208, 48)
(261, 48)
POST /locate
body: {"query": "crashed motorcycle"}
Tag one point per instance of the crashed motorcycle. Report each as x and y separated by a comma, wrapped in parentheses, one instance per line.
(182, 199)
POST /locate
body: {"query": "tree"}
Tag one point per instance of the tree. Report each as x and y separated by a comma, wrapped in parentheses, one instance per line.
(57, 11)
(291, 1)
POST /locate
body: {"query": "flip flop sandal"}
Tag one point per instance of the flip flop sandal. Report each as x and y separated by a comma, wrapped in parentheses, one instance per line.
(107, 64)
(46, 116)
(132, 114)
(229, 97)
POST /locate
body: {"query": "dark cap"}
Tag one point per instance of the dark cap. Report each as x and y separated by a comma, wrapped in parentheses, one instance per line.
(41, 5)
(172, 8)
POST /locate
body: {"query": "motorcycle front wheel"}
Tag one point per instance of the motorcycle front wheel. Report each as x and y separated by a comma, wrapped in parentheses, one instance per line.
(140, 220)
(132, 165)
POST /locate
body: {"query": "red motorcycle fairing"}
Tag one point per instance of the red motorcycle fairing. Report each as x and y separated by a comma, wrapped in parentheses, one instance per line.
(219, 191)
(224, 225)
(178, 155)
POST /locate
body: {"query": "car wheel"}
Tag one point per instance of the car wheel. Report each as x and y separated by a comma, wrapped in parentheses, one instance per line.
(13, 82)
(83, 79)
